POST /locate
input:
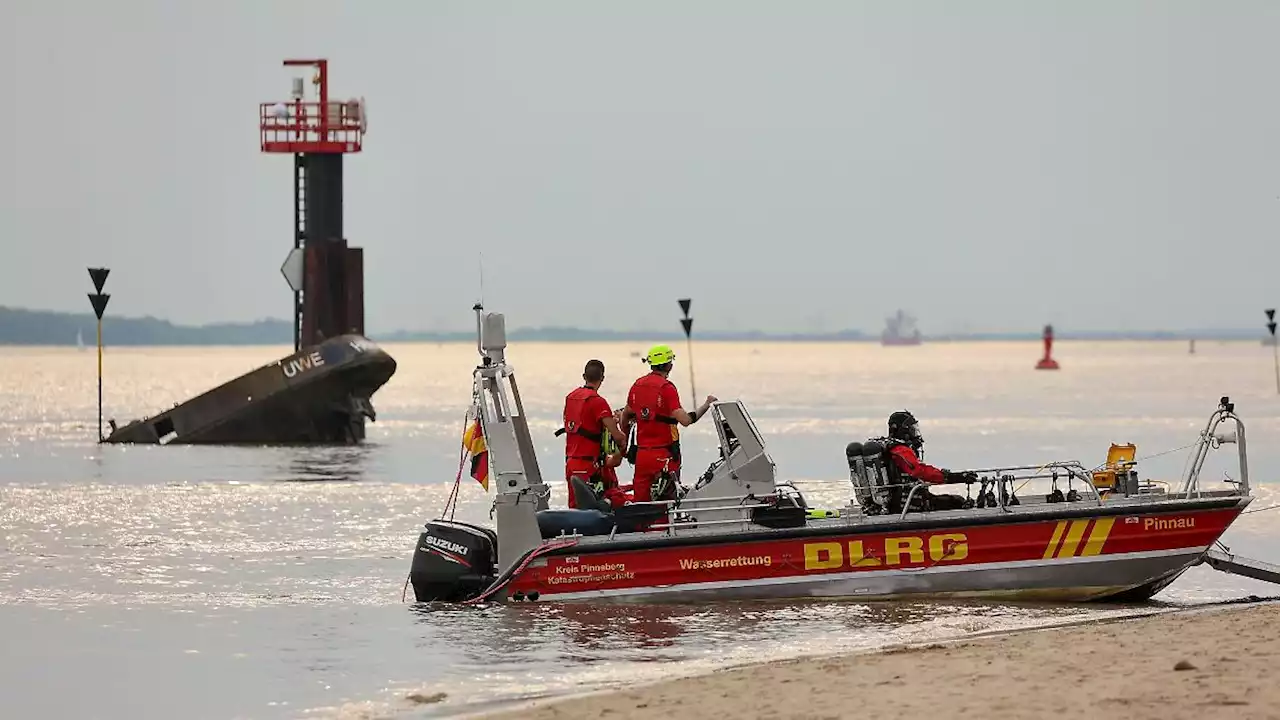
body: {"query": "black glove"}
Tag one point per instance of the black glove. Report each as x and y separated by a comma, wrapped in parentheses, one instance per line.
(967, 476)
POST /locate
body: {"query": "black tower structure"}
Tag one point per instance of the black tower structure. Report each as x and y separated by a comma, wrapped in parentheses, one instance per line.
(327, 276)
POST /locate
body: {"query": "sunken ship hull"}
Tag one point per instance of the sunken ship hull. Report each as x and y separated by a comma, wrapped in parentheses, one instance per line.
(320, 394)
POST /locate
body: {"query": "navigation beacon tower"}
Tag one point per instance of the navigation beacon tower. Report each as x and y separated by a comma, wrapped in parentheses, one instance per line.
(326, 276)
(322, 392)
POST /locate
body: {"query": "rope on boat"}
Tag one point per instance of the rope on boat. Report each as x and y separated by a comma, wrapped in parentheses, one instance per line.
(1103, 464)
(1156, 455)
(1224, 546)
(451, 503)
(530, 556)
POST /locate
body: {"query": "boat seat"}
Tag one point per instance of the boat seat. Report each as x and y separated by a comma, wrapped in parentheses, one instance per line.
(595, 516)
(553, 523)
(634, 518)
(587, 499)
(627, 519)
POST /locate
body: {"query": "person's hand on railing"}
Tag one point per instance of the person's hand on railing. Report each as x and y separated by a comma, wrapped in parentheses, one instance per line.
(967, 477)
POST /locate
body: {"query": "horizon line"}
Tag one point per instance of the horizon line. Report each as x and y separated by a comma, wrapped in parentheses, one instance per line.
(583, 333)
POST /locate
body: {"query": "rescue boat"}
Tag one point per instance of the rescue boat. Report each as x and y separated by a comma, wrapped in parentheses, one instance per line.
(738, 532)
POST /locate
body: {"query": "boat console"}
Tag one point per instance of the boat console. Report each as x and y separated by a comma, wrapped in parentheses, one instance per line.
(738, 487)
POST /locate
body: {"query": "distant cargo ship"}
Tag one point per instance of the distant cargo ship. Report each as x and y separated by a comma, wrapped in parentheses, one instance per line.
(900, 329)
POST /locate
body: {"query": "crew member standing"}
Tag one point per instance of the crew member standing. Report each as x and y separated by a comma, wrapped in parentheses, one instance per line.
(654, 405)
(588, 452)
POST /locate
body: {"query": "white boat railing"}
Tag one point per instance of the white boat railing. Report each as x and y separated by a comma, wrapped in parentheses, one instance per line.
(1001, 483)
(1211, 439)
(744, 504)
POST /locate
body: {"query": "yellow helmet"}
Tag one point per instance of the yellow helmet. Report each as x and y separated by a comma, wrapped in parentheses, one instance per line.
(660, 355)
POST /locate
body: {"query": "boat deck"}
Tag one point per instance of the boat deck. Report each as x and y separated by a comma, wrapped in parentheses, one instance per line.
(852, 521)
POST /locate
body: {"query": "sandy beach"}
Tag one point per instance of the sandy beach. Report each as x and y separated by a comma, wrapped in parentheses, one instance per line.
(1218, 663)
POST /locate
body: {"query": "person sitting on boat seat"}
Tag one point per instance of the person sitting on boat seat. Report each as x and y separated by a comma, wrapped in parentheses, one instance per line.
(904, 448)
(593, 440)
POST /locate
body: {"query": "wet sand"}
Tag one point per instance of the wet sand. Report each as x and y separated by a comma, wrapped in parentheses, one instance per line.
(1218, 663)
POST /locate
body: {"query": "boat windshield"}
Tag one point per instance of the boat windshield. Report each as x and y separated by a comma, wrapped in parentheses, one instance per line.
(738, 425)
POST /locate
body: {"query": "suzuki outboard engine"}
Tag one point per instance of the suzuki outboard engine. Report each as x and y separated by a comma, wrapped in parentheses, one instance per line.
(870, 475)
(453, 562)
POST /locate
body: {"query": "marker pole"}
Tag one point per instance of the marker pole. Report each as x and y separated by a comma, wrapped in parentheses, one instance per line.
(1275, 351)
(99, 302)
(687, 323)
(693, 386)
(100, 436)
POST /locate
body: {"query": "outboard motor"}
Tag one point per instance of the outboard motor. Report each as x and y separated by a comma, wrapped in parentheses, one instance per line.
(453, 562)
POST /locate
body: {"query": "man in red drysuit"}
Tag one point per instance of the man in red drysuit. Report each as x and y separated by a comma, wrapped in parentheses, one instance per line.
(654, 405)
(594, 441)
(905, 442)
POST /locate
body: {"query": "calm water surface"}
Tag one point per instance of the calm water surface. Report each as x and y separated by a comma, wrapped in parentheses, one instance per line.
(158, 582)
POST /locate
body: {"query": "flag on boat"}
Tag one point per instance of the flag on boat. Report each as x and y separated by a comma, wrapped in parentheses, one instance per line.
(473, 441)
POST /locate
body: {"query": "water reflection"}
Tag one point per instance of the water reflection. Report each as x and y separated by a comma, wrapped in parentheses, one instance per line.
(581, 633)
(518, 628)
(504, 653)
(601, 628)
(321, 464)
(279, 570)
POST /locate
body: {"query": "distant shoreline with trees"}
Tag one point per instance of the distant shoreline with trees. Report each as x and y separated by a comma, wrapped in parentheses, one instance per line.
(43, 327)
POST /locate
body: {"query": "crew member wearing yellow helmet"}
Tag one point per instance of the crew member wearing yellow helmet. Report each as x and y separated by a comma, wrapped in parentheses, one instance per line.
(654, 405)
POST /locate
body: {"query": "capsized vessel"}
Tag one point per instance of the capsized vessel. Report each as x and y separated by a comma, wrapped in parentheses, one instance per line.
(740, 533)
(319, 394)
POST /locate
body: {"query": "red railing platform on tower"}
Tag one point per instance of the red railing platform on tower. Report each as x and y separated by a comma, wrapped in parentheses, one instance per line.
(299, 127)
(312, 126)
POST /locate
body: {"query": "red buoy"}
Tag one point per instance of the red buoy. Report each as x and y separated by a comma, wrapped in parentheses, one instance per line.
(1047, 362)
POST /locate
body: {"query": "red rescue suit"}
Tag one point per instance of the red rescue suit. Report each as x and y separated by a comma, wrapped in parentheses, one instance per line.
(653, 398)
(911, 466)
(584, 409)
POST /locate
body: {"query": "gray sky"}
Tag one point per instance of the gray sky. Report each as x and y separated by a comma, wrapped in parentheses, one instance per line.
(986, 165)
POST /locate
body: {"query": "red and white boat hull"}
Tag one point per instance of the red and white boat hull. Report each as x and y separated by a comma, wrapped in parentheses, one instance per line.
(1104, 555)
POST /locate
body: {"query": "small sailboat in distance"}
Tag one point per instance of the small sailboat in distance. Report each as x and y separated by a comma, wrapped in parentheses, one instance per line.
(80, 340)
